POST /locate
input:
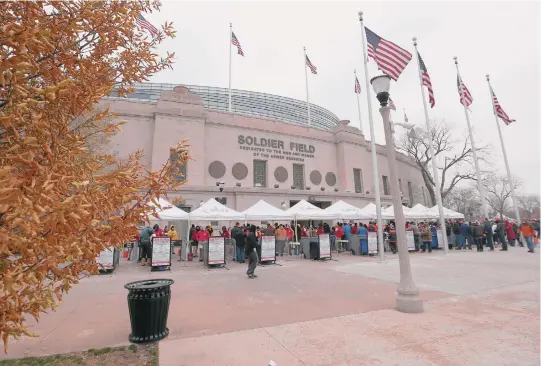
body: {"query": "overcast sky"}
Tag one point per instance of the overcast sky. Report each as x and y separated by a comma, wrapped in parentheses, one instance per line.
(499, 38)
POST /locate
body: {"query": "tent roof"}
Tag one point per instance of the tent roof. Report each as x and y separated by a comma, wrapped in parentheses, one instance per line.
(370, 210)
(345, 211)
(388, 213)
(422, 212)
(304, 210)
(213, 210)
(262, 210)
(168, 211)
(448, 213)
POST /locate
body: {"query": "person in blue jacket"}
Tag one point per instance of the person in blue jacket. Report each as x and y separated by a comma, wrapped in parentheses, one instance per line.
(347, 233)
(363, 232)
(464, 233)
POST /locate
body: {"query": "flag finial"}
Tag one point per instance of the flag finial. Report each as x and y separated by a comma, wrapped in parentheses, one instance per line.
(360, 15)
(455, 58)
(488, 77)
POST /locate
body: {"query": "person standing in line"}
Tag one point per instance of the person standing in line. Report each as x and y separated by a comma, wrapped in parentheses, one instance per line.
(489, 233)
(146, 253)
(510, 233)
(464, 233)
(500, 231)
(239, 236)
(416, 236)
(252, 245)
(426, 236)
(347, 234)
(527, 231)
(281, 236)
(478, 231)
(456, 232)
(448, 229)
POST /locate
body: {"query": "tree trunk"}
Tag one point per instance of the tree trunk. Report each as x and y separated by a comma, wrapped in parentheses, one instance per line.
(429, 187)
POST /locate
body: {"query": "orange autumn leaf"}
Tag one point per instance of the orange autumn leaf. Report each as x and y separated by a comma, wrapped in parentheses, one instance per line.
(62, 198)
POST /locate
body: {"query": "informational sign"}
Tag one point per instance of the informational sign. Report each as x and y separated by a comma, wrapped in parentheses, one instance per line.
(440, 238)
(268, 248)
(161, 251)
(216, 250)
(106, 259)
(372, 243)
(410, 240)
(324, 246)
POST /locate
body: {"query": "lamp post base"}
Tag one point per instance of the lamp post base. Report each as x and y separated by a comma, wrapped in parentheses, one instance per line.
(409, 302)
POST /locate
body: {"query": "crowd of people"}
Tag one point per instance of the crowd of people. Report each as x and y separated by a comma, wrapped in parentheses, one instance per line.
(461, 235)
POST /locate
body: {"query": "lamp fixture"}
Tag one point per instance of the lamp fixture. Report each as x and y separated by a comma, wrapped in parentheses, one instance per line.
(381, 85)
(336, 189)
(276, 186)
(322, 189)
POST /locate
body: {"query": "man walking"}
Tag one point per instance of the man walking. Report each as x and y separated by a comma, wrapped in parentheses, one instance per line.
(252, 244)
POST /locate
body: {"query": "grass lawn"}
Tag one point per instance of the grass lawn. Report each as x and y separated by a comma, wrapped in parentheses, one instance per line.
(133, 355)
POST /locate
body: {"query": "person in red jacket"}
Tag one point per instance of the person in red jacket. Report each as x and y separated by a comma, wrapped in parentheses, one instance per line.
(225, 233)
(354, 229)
(339, 232)
(319, 230)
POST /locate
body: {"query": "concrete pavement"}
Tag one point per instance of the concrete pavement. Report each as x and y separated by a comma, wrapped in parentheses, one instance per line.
(318, 313)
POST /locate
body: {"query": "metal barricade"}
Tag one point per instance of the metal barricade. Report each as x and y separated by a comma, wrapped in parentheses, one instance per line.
(230, 248)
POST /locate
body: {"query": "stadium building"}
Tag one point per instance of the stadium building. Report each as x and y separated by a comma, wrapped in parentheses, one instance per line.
(263, 149)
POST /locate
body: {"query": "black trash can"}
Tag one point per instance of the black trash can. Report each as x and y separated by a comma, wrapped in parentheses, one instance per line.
(148, 302)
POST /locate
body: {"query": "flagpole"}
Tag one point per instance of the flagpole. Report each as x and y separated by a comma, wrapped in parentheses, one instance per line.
(432, 155)
(358, 104)
(474, 151)
(509, 176)
(375, 174)
(307, 95)
(230, 44)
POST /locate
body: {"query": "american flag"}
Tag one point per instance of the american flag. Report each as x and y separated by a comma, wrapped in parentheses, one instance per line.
(426, 81)
(499, 110)
(357, 86)
(465, 97)
(312, 67)
(391, 104)
(390, 58)
(145, 24)
(235, 42)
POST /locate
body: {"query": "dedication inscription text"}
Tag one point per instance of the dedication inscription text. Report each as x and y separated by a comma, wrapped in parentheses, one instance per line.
(276, 149)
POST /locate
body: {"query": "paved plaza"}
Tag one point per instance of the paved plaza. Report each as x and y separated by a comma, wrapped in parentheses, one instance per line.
(480, 309)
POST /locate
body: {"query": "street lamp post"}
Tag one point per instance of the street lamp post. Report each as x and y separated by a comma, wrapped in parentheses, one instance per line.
(407, 300)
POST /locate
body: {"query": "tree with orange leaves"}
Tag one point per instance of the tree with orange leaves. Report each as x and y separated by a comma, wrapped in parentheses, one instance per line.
(61, 204)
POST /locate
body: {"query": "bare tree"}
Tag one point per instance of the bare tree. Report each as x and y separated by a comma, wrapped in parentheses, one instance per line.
(456, 154)
(530, 204)
(498, 193)
(465, 200)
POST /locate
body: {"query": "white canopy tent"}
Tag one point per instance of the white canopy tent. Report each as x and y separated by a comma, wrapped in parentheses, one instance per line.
(167, 212)
(388, 213)
(448, 213)
(422, 212)
(213, 210)
(304, 210)
(345, 211)
(262, 210)
(370, 210)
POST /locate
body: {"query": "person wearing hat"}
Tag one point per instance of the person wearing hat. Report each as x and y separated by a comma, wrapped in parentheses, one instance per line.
(251, 247)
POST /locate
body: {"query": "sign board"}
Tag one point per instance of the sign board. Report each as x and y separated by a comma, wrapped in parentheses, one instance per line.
(268, 248)
(372, 243)
(410, 240)
(440, 238)
(106, 259)
(324, 246)
(161, 251)
(216, 253)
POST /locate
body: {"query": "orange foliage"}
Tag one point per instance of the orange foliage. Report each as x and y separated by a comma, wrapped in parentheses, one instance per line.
(60, 205)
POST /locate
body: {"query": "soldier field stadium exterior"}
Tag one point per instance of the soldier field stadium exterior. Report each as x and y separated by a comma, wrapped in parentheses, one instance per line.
(263, 149)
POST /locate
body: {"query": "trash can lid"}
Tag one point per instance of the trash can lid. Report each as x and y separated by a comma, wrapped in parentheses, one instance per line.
(149, 284)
